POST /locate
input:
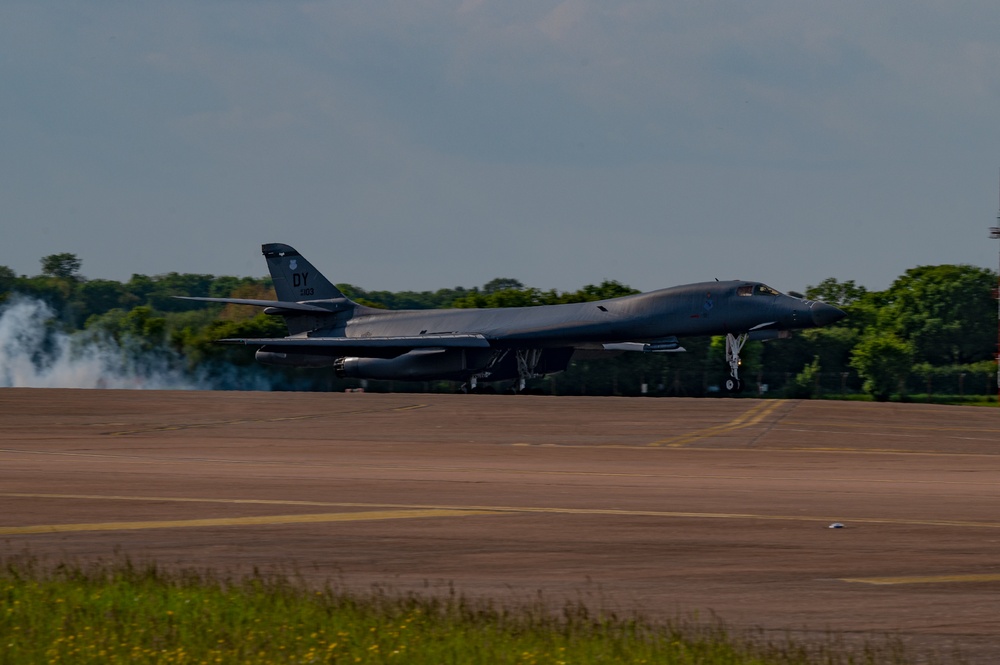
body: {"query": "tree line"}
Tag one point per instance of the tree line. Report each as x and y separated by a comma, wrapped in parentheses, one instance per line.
(932, 332)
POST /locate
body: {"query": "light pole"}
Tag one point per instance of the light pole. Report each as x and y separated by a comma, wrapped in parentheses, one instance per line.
(995, 234)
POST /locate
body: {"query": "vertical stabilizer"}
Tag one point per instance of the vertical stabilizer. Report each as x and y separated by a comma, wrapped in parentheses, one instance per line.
(295, 279)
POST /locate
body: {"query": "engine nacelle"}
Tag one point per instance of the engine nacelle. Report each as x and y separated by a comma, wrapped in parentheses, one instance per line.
(293, 359)
(450, 365)
(419, 365)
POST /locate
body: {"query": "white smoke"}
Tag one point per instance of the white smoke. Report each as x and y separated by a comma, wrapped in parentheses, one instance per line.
(34, 354)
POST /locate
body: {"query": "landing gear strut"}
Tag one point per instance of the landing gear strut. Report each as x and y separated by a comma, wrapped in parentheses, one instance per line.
(527, 360)
(734, 344)
(472, 386)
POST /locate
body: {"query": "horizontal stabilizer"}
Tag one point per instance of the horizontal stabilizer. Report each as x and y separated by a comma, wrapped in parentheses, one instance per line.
(281, 304)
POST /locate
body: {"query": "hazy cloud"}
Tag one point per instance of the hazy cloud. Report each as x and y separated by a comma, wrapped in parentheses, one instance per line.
(427, 144)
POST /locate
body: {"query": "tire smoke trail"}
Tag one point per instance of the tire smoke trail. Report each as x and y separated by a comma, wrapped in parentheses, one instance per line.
(34, 354)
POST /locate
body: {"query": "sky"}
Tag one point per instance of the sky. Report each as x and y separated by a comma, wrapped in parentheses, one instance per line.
(426, 144)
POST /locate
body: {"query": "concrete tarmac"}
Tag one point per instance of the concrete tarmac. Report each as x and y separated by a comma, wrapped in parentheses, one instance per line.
(665, 506)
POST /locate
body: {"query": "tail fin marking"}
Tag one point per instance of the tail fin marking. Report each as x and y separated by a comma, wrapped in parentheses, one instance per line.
(295, 279)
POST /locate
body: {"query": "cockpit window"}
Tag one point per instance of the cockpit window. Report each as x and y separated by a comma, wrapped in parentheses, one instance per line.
(758, 289)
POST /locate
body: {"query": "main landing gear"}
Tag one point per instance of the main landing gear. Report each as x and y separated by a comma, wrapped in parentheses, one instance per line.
(527, 362)
(734, 344)
(473, 387)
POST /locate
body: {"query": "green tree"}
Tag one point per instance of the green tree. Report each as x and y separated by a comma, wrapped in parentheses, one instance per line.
(832, 345)
(609, 288)
(8, 278)
(502, 284)
(63, 266)
(165, 287)
(142, 325)
(884, 362)
(138, 289)
(946, 312)
(405, 299)
(805, 384)
(224, 286)
(836, 293)
(201, 344)
(97, 296)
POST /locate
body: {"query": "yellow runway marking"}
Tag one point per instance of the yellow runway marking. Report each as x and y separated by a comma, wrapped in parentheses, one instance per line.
(925, 579)
(241, 521)
(749, 418)
(882, 425)
(838, 450)
(658, 446)
(474, 510)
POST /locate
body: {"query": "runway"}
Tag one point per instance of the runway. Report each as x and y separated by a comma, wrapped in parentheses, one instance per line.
(666, 506)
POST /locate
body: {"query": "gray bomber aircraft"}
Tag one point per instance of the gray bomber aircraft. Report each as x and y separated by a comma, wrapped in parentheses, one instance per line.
(518, 343)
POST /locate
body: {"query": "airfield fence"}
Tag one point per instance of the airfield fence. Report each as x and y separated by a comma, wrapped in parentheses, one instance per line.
(608, 379)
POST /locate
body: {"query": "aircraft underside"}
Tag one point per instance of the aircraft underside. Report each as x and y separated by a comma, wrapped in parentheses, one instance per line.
(470, 366)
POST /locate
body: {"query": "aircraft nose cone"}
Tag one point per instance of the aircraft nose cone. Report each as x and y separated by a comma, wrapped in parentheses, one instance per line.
(824, 314)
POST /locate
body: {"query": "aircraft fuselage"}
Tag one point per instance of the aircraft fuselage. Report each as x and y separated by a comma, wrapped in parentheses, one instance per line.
(328, 329)
(707, 308)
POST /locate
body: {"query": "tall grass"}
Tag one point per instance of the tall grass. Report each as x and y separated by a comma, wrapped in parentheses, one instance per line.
(128, 613)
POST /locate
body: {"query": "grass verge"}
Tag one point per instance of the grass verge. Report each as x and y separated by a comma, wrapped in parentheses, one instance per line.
(128, 613)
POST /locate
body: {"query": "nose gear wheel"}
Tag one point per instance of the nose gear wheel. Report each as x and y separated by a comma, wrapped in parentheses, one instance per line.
(734, 344)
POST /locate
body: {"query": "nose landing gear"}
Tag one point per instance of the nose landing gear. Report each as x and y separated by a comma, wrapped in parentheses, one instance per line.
(734, 344)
